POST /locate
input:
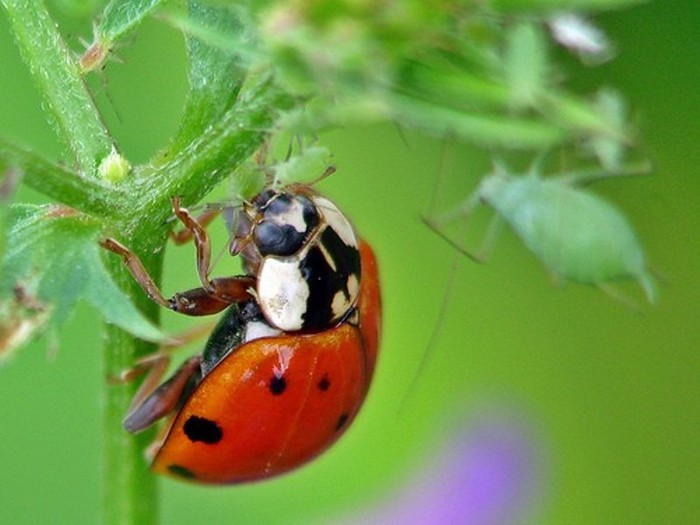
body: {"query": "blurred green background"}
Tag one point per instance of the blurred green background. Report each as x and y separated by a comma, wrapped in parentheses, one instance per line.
(611, 397)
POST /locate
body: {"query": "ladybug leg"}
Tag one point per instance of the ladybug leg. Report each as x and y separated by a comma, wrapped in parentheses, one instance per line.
(142, 412)
(199, 301)
(224, 290)
(185, 235)
(202, 301)
(165, 398)
(159, 360)
(155, 365)
(135, 266)
(201, 243)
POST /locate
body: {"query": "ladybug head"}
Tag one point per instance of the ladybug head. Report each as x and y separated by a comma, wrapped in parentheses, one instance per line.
(284, 222)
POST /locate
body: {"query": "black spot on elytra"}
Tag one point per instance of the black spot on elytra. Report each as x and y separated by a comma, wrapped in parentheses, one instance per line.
(202, 429)
(324, 384)
(181, 472)
(277, 385)
(341, 422)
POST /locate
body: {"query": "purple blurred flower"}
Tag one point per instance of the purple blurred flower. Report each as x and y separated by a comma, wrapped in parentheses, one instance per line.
(488, 474)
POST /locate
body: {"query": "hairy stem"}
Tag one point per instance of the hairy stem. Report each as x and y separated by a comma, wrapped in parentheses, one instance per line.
(130, 490)
(57, 76)
(86, 194)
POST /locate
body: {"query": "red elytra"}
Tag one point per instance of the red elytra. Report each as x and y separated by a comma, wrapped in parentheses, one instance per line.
(250, 428)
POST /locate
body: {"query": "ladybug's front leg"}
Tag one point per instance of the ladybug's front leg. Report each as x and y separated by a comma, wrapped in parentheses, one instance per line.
(226, 290)
(201, 301)
(196, 302)
(185, 235)
(215, 294)
(201, 243)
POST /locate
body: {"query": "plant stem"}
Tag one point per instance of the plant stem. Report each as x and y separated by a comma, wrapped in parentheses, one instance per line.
(196, 169)
(85, 194)
(130, 490)
(57, 75)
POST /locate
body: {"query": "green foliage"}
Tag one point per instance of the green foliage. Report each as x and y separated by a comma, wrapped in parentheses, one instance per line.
(526, 66)
(474, 71)
(53, 254)
(121, 17)
(461, 69)
(78, 9)
(114, 168)
(561, 5)
(215, 133)
(87, 194)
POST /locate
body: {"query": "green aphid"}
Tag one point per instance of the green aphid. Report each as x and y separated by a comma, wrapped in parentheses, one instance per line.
(577, 235)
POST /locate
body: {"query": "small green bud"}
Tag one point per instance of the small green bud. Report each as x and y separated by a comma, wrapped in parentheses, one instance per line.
(114, 168)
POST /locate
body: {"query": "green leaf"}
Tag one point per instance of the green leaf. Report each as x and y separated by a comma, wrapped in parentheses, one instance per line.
(526, 67)
(9, 180)
(481, 128)
(610, 150)
(57, 75)
(582, 116)
(119, 19)
(208, 159)
(76, 9)
(53, 253)
(22, 316)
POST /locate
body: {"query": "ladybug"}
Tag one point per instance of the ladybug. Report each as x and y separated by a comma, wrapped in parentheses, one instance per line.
(287, 367)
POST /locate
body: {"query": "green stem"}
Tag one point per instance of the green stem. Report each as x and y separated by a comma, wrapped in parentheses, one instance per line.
(62, 185)
(212, 157)
(130, 490)
(57, 75)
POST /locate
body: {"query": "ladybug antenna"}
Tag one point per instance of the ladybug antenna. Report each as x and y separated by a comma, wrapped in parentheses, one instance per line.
(330, 170)
(230, 214)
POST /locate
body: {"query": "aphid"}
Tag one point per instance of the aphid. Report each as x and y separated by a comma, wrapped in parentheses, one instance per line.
(577, 235)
